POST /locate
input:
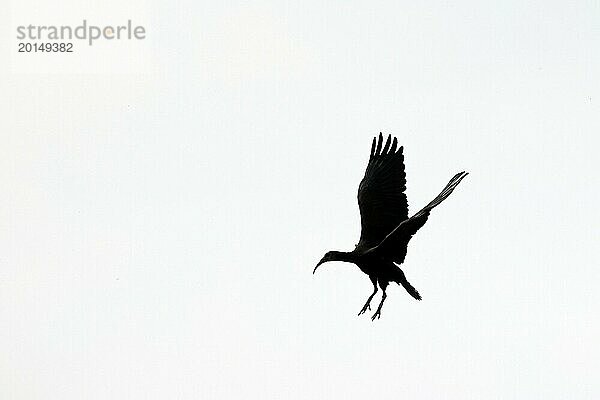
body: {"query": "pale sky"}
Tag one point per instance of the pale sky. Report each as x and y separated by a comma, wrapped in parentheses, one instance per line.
(164, 202)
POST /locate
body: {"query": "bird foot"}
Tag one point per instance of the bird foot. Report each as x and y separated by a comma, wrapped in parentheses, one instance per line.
(376, 315)
(366, 307)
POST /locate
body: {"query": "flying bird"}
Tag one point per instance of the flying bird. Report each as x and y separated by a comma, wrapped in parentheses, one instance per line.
(386, 228)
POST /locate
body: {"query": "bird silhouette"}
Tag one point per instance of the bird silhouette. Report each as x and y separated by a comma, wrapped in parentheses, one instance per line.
(386, 228)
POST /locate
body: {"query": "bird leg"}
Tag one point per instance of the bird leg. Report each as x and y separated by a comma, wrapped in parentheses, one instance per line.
(378, 312)
(367, 305)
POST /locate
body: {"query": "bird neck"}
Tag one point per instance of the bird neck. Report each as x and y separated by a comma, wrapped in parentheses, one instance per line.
(343, 256)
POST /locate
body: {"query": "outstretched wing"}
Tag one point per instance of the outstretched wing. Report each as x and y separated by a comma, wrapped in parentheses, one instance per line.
(394, 245)
(381, 199)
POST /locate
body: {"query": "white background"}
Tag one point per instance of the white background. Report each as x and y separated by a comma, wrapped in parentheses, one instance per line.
(163, 202)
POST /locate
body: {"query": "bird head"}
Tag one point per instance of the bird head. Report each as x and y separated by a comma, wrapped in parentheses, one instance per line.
(329, 256)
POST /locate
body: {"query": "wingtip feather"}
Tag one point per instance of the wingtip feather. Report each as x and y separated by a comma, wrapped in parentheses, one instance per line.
(373, 146)
(387, 145)
(379, 144)
(394, 145)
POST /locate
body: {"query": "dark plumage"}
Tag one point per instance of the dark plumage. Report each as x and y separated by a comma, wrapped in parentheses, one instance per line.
(385, 226)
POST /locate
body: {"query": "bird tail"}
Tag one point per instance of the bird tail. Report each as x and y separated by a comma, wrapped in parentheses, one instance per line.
(400, 279)
(443, 194)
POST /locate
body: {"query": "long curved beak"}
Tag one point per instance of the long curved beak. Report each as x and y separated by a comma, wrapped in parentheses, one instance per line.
(320, 262)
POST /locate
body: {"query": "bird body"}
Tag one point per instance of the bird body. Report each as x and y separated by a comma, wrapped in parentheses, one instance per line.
(386, 228)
